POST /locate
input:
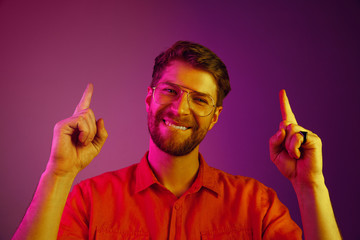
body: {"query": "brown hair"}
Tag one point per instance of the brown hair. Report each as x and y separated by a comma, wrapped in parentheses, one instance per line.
(197, 56)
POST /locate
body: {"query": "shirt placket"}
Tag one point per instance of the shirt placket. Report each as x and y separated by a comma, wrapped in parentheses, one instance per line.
(176, 220)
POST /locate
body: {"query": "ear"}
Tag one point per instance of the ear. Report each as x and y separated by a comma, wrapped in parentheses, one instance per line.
(148, 98)
(215, 117)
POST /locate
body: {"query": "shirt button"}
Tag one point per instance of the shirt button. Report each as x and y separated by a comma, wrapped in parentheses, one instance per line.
(177, 206)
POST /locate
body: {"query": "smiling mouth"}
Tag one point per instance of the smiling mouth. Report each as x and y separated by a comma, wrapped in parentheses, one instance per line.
(175, 126)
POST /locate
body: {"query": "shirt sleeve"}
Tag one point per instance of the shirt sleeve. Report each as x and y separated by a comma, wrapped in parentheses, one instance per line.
(75, 218)
(277, 223)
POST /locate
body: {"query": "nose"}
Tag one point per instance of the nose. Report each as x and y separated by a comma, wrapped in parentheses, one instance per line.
(181, 105)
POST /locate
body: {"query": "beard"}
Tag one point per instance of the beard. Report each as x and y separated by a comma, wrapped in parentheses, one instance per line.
(171, 144)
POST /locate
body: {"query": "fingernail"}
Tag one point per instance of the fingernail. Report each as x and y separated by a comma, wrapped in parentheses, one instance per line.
(278, 134)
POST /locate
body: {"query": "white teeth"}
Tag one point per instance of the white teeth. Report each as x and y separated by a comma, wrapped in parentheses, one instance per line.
(179, 127)
(174, 126)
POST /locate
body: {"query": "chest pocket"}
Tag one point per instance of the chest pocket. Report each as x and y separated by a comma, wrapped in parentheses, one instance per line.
(113, 235)
(229, 234)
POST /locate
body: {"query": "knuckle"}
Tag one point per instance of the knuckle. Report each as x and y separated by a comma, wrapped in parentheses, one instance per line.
(299, 137)
(282, 125)
(80, 118)
(84, 116)
(88, 114)
(86, 111)
(58, 125)
(83, 112)
(317, 140)
(83, 127)
(290, 127)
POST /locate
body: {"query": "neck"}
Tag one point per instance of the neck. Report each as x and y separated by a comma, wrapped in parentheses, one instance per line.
(176, 173)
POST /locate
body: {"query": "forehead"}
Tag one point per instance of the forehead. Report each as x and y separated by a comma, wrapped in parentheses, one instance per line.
(183, 74)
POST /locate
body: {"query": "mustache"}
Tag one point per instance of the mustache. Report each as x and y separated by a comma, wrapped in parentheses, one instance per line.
(186, 121)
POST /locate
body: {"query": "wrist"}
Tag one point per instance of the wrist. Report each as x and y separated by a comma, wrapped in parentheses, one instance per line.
(59, 177)
(308, 188)
(61, 169)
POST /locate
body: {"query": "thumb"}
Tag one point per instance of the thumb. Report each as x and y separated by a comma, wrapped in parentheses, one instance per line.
(101, 135)
(276, 143)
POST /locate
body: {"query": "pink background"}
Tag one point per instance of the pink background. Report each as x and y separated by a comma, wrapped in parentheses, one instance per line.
(50, 50)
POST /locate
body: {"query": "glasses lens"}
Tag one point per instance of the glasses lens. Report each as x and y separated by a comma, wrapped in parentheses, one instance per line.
(166, 93)
(201, 104)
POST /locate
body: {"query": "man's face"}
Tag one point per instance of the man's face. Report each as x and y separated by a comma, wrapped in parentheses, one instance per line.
(174, 127)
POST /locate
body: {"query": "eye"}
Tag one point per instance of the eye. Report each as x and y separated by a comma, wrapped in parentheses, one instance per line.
(167, 90)
(200, 100)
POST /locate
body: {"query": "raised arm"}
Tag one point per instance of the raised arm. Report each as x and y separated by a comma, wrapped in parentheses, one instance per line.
(297, 153)
(76, 141)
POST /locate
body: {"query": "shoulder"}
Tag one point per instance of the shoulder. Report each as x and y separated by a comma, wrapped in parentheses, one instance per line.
(223, 177)
(241, 185)
(248, 192)
(110, 180)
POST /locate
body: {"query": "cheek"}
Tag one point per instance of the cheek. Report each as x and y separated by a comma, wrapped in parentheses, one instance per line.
(156, 111)
(203, 123)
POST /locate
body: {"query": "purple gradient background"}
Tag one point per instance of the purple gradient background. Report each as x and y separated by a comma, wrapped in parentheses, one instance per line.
(49, 52)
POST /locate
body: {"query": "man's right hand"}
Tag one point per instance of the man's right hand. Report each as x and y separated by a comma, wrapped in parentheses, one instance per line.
(77, 139)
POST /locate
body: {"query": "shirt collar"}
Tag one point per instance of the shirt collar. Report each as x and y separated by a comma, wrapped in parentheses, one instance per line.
(206, 177)
(144, 175)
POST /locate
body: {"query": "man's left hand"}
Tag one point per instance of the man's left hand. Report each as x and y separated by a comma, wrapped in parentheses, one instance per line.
(299, 161)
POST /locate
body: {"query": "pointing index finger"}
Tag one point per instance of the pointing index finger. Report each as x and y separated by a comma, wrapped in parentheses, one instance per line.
(85, 99)
(286, 112)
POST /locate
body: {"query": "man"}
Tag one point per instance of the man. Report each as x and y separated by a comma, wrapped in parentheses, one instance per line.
(172, 193)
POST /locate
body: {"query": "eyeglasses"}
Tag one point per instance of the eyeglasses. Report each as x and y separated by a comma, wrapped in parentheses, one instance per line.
(200, 103)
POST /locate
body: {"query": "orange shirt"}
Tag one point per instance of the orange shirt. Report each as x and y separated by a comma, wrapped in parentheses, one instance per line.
(131, 204)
